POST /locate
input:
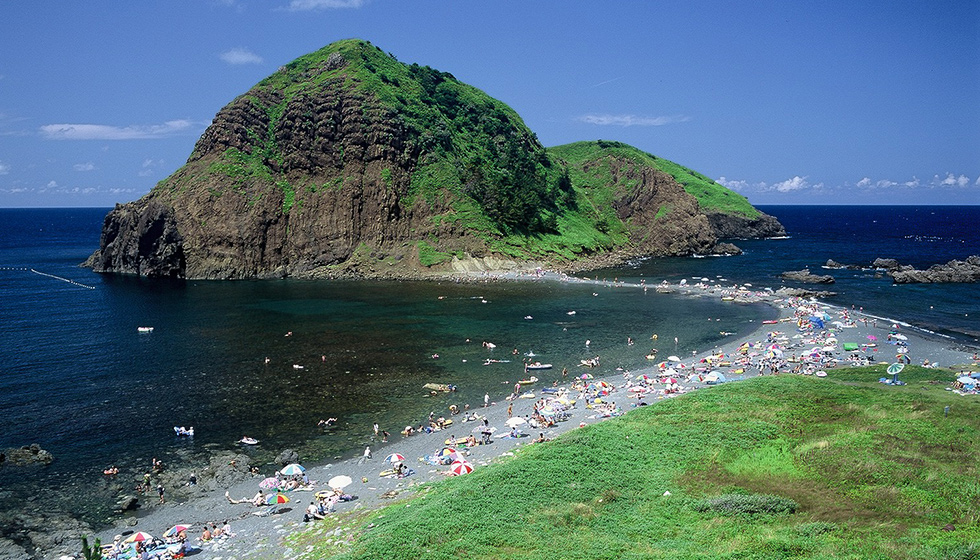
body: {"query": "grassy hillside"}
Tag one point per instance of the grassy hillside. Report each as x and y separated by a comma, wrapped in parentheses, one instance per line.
(841, 467)
(711, 196)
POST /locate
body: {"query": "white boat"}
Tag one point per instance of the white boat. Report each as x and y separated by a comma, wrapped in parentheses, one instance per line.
(297, 366)
(184, 432)
(539, 365)
(144, 329)
(248, 441)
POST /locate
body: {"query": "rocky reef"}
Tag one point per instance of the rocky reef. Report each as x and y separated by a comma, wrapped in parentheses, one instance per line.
(807, 277)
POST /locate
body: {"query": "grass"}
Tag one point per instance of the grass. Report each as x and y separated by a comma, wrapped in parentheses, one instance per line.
(871, 471)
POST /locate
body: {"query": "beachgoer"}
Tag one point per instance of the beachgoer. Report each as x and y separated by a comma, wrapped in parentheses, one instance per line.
(384, 436)
(367, 452)
(160, 491)
(206, 534)
(510, 410)
(486, 396)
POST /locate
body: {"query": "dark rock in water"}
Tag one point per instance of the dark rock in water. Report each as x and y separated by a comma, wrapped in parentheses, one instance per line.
(886, 264)
(286, 457)
(127, 503)
(28, 455)
(953, 272)
(725, 249)
(31, 534)
(802, 292)
(805, 276)
(831, 263)
(735, 226)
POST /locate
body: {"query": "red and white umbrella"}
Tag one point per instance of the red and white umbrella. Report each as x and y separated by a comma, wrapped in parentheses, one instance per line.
(460, 467)
(395, 458)
(139, 536)
(176, 529)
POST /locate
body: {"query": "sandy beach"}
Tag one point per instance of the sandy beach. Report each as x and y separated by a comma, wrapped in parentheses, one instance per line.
(258, 536)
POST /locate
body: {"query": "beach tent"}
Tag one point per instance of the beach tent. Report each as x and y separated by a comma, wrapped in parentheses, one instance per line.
(715, 378)
(851, 347)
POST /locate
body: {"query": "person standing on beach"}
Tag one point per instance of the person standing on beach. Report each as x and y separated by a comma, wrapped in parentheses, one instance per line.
(160, 491)
(510, 410)
(486, 400)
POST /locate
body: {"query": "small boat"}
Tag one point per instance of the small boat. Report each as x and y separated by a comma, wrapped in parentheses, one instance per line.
(528, 381)
(297, 366)
(570, 313)
(539, 365)
(184, 432)
(248, 441)
(651, 356)
(144, 329)
(770, 322)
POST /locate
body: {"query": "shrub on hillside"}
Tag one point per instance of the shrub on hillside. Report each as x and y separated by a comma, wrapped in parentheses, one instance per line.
(752, 504)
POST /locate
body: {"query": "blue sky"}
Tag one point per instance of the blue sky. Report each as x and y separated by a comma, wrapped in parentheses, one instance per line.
(786, 102)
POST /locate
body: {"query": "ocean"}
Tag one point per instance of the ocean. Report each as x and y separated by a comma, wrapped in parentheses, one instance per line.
(80, 380)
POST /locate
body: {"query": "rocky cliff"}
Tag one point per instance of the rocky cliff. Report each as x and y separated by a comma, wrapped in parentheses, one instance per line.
(346, 161)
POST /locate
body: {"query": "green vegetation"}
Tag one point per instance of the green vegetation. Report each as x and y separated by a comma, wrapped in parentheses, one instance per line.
(711, 196)
(429, 255)
(771, 467)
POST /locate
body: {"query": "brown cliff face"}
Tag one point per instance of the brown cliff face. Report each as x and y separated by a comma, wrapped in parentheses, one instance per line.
(681, 230)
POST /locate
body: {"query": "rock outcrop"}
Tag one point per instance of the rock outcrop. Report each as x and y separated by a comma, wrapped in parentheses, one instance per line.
(954, 271)
(26, 456)
(806, 277)
(348, 162)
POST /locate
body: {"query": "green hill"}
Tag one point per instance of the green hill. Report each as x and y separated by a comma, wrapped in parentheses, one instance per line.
(347, 161)
(771, 467)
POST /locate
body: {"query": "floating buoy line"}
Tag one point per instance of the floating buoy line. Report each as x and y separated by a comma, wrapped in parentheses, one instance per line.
(38, 272)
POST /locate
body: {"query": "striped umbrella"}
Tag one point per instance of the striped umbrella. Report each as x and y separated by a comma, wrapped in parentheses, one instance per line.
(395, 458)
(461, 467)
(139, 536)
(276, 499)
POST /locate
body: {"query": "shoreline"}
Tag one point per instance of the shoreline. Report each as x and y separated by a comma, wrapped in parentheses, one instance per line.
(259, 536)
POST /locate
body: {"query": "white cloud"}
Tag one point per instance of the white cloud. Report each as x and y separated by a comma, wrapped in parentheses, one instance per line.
(951, 180)
(4, 168)
(794, 184)
(735, 185)
(106, 132)
(87, 166)
(52, 184)
(148, 167)
(913, 183)
(241, 55)
(631, 120)
(866, 182)
(305, 5)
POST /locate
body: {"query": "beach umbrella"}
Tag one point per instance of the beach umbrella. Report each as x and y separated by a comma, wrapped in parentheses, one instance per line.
(586, 376)
(460, 468)
(292, 469)
(895, 369)
(176, 529)
(270, 482)
(446, 451)
(395, 458)
(139, 536)
(900, 337)
(515, 421)
(872, 337)
(339, 482)
(277, 498)
(481, 429)
(673, 359)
